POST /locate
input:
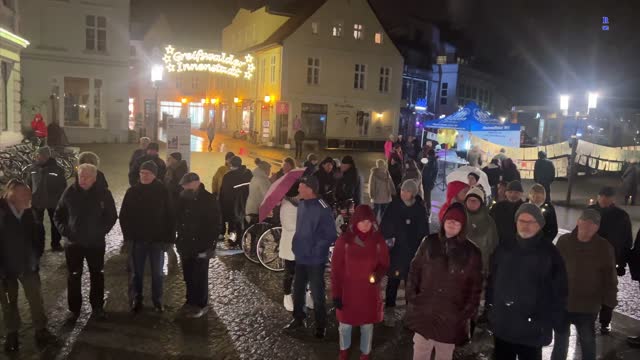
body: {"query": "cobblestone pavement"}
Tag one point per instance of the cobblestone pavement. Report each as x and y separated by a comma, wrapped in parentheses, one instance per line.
(246, 302)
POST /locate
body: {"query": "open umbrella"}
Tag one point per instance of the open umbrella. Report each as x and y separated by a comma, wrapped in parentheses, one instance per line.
(461, 173)
(277, 191)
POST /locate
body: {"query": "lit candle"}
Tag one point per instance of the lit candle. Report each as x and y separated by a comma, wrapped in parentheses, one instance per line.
(372, 278)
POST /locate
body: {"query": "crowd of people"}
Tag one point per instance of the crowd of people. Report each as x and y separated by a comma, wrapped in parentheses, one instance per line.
(493, 259)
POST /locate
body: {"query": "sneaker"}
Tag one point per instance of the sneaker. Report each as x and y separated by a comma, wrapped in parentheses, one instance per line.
(308, 300)
(43, 337)
(320, 333)
(198, 313)
(288, 302)
(11, 342)
(296, 324)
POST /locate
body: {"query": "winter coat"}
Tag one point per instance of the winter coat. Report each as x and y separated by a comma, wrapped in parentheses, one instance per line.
(591, 271)
(550, 229)
(134, 172)
(348, 186)
(172, 178)
(544, 172)
(408, 226)
(327, 182)
(388, 147)
(381, 188)
(494, 172)
(615, 226)
(288, 218)
(630, 181)
(197, 223)
(474, 157)
(481, 230)
(315, 232)
(137, 153)
(443, 289)
(299, 136)
(430, 174)
(216, 181)
(258, 187)
(47, 183)
(21, 245)
(146, 215)
(527, 291)
(40, 128)
(355, 258)
(234, 193)
(395, 169)
(85, 217)
(504, 214)
(634, 259)
(510, 171)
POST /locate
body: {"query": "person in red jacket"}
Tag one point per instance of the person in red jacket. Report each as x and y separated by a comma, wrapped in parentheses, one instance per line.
(39, 127)
(443, 289)
(360, 260)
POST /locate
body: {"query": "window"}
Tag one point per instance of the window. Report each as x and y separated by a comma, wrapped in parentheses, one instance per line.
(445, 86)
(385, 74)
(273, 69)
(358, 81)
(441, 60)
(314, 28)
(313, 71)
(195, 82)
(444, 93)
(443, 101)
(336, 31)
(76, 102)
(96, 33)
(378, 38)
(357, 31)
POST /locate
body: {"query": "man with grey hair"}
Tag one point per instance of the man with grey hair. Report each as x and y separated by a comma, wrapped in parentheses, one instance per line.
(140, 151)
(84, 216)
(537, 196)
(47, 181)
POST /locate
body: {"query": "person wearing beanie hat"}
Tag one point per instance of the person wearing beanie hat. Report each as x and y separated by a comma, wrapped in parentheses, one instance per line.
(527, 290)
(404, 226)
(446, 270)
(327, 180)
(537, 195)
(311, 164)
(503, 212)
(456, 192)
(359, 262)
(381, 188)
(592, 277)
(258, 187)
(348, 184)
(481, 228)
(147, 221)
(234, 193)
(615, 226)
(216, 181)
(151, 155)
(47, 182)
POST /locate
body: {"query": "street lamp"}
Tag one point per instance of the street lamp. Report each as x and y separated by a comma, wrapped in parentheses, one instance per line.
(564, 103)
(157, 72)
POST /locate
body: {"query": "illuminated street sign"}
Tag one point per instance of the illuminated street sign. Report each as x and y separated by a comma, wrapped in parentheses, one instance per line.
(202, 61)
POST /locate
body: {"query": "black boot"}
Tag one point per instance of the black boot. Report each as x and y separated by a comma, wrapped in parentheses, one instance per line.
(11, 342)
(43, 337)
(320, 333)
(296, 324)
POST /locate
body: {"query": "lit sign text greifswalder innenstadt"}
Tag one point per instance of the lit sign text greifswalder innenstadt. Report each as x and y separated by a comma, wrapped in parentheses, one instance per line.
(201, 61)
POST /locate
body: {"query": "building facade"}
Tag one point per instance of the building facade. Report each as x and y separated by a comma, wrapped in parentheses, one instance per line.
(11, 46)
(76, 70)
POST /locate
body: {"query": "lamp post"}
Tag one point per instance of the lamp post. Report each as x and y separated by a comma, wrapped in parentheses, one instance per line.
(157, 71)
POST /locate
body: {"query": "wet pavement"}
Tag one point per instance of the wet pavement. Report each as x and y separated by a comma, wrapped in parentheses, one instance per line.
(246, 314)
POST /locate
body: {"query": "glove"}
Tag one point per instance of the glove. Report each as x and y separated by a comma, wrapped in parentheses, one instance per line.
(337, 302)
(621, 270)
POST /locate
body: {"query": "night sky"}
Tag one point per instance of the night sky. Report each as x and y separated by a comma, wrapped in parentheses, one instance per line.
(539, 48)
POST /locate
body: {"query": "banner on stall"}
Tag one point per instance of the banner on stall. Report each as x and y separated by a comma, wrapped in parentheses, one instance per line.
(179, 137)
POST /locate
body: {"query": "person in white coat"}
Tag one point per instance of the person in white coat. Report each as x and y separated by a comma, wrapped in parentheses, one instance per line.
(381, 188)
(288, 216)
(257, 189)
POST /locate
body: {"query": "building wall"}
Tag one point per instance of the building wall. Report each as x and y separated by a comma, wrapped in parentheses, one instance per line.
(250, 28)
(59, 49)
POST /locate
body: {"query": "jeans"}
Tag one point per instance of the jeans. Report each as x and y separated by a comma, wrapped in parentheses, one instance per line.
(422, 349)
(289, 273)
(55, 235)
(313, 275)
(75, 256)
(379, 210)
(138, 257)
(606, 314)
(507, 351)
(366, 337)
(298, 149)
(586, 327)
(196, 277)
(9, 301)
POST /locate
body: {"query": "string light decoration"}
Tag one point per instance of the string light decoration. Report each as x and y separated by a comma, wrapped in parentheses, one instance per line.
(202, 61)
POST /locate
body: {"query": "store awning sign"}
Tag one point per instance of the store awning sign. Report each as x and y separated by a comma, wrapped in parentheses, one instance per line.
(202, 61)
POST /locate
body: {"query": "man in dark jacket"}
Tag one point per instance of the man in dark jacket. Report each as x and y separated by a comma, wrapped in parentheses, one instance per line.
(630, 184)
(47, 182)
(494, 174)
(536, 197)
(151, 155)
(140, 151)
(310, 165)
(198, 227)
(634, 269)
(592, 278)
(615, 226)
(298, 137)
(326, 180)
(315, 233)
(544, 173)
(403, 226)
(527, 290)
(348, 182)
(176, 169)
(233, 197)
(85, 214)
(429, 176)
(21, 247)
(148, 229)
(504, 211)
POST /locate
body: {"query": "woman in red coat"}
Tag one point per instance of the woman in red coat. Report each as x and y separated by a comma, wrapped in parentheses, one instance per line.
(443, 289)
(360, 260)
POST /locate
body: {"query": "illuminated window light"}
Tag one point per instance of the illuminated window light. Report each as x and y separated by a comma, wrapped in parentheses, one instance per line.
(184, 100)
(214, 101)
(236, 100)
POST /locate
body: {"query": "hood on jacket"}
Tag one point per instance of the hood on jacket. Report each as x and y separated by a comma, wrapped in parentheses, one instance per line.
(362, 213)
(259, 172)
(380, 173)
